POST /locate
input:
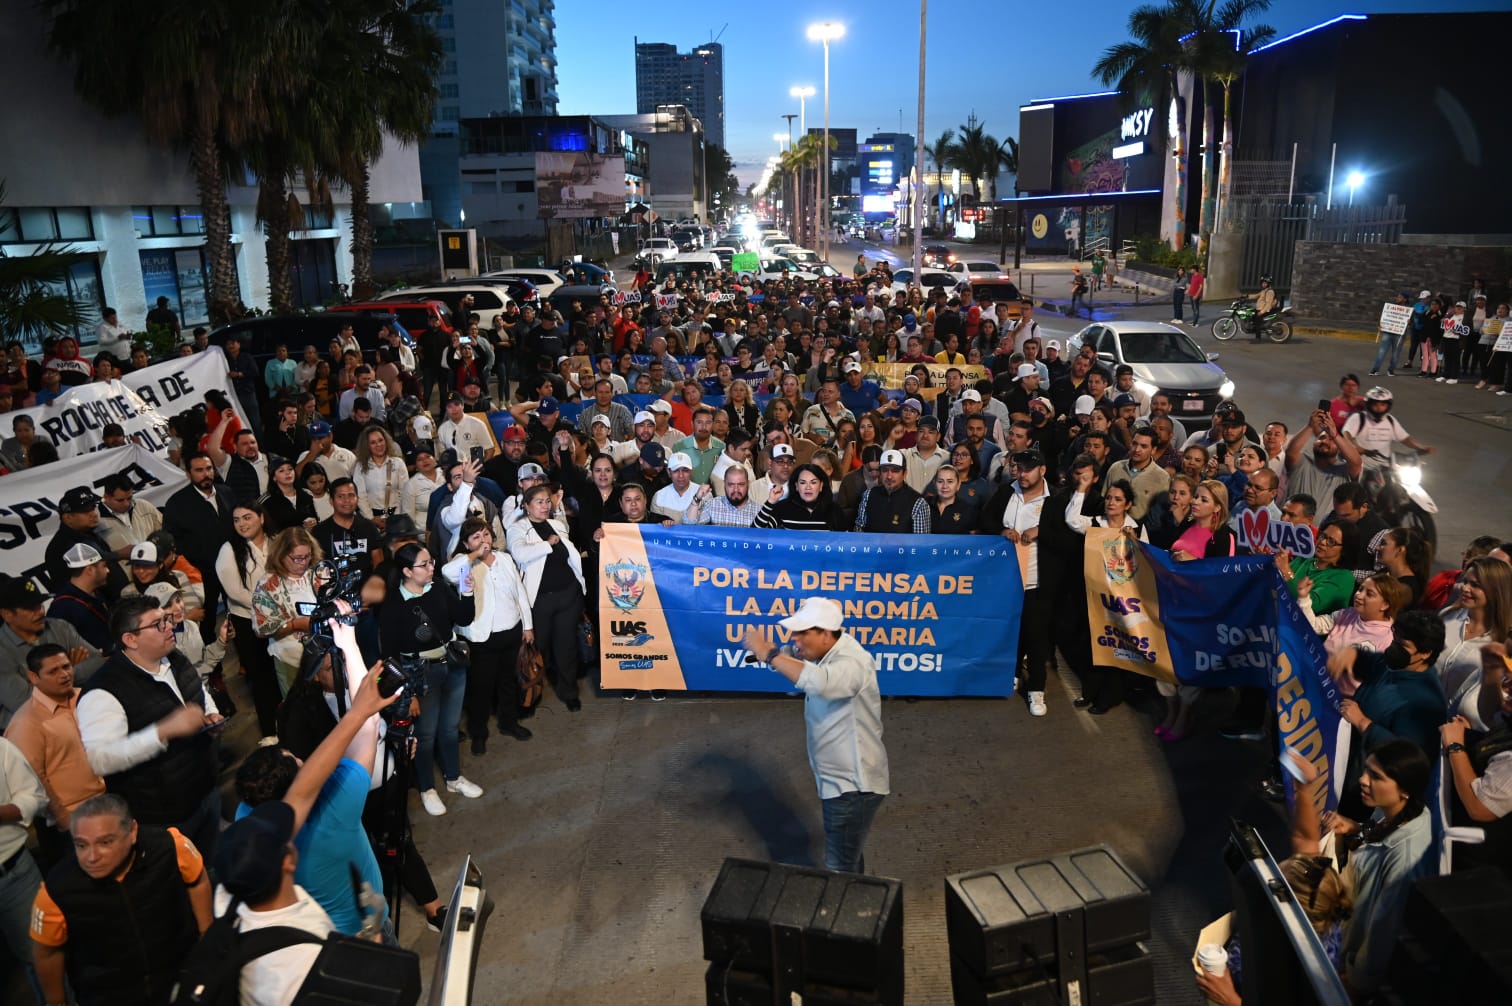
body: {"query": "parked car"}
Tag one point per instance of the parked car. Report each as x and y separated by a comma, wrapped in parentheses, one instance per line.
(939, 256)
(653, 250)
(1165, 359)
(544, 280)
(414, 316)
(489, 297)
(975, 269)
(564, 296)
(587, 273)
(260, 337)
(683, 266)
(778, 268)
(928, 279)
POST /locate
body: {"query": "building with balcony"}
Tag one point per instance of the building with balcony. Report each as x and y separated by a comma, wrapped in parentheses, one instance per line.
(693, 79)
(500, 59)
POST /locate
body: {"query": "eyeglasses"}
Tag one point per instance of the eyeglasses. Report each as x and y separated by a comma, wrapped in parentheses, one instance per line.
(1331, 542)
(164, 624)
(427, 564)
(306, 557)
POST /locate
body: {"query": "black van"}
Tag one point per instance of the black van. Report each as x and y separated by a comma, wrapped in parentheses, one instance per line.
(261, 337)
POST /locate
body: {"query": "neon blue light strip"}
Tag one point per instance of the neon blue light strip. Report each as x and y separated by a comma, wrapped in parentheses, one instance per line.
(1308, 31)
(1072, 97)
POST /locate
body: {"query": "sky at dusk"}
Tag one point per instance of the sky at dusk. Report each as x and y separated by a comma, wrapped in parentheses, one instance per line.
(986, 57)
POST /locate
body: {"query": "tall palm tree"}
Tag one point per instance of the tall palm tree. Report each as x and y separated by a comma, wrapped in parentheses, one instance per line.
(1148, 63)
(971, 153)
(1222, 58)
(941, 153)
(192, 71)
(999, 155)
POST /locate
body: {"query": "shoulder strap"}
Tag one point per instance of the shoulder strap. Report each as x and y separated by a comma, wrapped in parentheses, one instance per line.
(261, 942)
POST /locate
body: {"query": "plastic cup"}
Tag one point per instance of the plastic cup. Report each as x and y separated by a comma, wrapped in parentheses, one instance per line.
(1213, 959)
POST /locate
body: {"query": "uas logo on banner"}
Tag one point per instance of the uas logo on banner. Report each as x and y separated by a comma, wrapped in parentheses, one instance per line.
(940, 615)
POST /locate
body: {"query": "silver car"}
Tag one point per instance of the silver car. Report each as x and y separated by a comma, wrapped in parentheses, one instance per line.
(1165, 359)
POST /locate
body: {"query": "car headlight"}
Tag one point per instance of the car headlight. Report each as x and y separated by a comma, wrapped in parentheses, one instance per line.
(1411, 476)
(1226, 390)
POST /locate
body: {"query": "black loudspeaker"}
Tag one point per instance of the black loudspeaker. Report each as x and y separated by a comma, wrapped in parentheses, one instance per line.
(1063, 929)
(353, 972)
(770, 930)
(1452, 945)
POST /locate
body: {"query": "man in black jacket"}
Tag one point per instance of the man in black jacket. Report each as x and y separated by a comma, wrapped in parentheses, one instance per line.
(79, 516)
(198, 517)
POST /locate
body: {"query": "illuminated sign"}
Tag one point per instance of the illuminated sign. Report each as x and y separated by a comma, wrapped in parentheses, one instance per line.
(877, 204)
(1137, 124)
(1129, 150)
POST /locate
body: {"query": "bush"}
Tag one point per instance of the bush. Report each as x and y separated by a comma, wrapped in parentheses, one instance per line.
(1151, 249)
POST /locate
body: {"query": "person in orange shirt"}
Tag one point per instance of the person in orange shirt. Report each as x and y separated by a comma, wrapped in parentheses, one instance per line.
(124, 946)
(45, 731)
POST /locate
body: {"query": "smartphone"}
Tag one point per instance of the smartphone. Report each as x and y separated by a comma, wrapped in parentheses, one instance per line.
(465, 340)
(225, 719)
(305, 608)
(1323, 405)
(476, 454)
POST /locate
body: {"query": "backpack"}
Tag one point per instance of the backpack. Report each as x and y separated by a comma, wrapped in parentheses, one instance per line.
(211, 974)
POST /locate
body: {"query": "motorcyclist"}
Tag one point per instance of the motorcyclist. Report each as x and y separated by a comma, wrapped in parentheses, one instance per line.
(1375, 430)
(1265, 303)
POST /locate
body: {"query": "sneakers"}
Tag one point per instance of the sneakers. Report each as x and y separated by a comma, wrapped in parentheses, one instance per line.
(1375, 373)
(1452, 380)
(1438, 380)
(1037, 704)
(464, 786)
(1391, 373)
(267, 742)
(630, 696)
(658, 695)
(432, 803)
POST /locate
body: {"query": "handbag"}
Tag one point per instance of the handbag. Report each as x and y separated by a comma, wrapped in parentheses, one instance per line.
(530, 673)
(459, 653)
(587, 645)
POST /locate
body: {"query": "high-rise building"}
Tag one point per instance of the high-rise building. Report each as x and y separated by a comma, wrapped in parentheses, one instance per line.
(499, 59)
(693, 79)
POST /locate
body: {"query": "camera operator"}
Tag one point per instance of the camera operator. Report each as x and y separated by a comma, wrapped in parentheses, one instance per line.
(418, 625)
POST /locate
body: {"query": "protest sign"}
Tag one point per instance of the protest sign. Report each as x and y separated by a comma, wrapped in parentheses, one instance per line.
(1503, 333)
(1395, 318)
(939, 614)
(892, 374)
(625, 297)
(142, 401)
(1263, 535)
(29, 511)
(1204, 622)
(745, 262)
(1306, 700)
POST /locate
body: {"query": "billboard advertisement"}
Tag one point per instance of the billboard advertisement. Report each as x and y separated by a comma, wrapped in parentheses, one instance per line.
(581, 183)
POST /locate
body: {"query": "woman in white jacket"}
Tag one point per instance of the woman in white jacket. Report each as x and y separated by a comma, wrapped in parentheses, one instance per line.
(240, 567)
(553, 573)
(380, 475)
(502, 622)
(421, 486)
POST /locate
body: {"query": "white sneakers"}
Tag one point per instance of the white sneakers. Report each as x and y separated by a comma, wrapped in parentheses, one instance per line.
(1037, 704)
(465, 787)
(432, 803)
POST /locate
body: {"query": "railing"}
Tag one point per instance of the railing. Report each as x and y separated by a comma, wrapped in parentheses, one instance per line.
(1269, 232)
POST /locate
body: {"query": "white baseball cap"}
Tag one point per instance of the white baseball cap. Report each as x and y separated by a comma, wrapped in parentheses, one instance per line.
(893, 459)
(1025, 370)
(641, 417)
(851, 367)
(1052, 344)
(601, 418)
(146, 553)
(815, 613)
(971, 395)
(661, 405)
(782, 451)
(162, 593)
(1085, 405)
(679, 460)
(530, 470)
(81, 556)
(1425, 295)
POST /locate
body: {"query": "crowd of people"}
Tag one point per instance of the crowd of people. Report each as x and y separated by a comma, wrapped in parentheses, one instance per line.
(1448, 340)
(703, 406)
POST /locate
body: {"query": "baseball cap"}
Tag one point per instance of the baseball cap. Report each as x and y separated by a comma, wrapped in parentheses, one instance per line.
(1025, 370)
(679, 460)
(163, 540)
(913, 403)
(1029, 458)
(1234, 418)
(400, 525)
(319, 428)
(453, 397)
(782, 451)
(815, 613)
(1043, 402)
(79, 499)
(81, 556)
(146, 553)
(162, 593)
(249, 857)
(1052, 344)
(601, 418)
(1085, 405)
(530, 470)
(1225, 407)
(661, 405)
(851, 367)
(971, 395)
(18, 593)
(654, 456)
(643, 417)
(929, 422)
(1124, 398)
(548, 406)
(471, 380)
(1425, 295)
(512, 433)
(893, 459)
(909, 321)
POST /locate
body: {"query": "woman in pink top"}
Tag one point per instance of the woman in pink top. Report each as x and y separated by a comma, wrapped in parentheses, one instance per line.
(1194, 292)
(1367, 622)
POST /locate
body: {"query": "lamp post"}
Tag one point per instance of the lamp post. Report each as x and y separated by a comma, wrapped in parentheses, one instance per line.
(825, 32)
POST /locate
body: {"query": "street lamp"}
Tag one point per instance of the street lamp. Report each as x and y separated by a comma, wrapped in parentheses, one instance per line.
(802, 93)
(781, 138)
(1354, 180)
(825, 32)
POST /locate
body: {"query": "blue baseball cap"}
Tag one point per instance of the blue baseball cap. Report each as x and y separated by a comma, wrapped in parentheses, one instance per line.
(320, 428)
(549, 406)
(654, 456)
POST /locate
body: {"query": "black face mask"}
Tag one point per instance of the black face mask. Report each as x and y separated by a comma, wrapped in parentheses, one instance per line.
(1397, 656)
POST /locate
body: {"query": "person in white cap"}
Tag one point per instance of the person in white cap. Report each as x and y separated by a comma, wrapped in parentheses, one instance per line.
(1026, 383)
(858, 394)
(672, 500)
(665, 433)
(1021, 519)
(892, 506)
(842, 712)
(779, 471)
(81, 601)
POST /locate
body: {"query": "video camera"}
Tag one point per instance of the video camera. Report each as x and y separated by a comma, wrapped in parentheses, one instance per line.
(338, 579)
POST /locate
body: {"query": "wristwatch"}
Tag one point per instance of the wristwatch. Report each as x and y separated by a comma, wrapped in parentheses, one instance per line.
(1449, 749)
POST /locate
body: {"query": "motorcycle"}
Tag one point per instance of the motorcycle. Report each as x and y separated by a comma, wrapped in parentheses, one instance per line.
(1398, 496)
(1276, 325)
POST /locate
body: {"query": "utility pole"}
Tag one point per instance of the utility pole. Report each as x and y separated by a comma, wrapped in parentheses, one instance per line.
(918, 194)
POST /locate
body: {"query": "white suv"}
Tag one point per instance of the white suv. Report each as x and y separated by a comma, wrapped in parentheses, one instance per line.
(654, 250)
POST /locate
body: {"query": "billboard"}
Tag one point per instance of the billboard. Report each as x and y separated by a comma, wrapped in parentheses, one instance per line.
(581, 183)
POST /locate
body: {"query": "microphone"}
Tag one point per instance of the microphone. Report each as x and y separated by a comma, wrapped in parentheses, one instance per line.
(751, 657)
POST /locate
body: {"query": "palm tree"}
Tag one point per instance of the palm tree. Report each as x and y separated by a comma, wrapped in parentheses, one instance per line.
(1222, 59)
(192, 71)
(971, 153)
(1148, 64)
(941, 153)
(31, 304)
(999, 155)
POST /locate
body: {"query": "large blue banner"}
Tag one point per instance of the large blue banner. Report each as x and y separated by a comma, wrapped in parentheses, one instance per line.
(940, 613)
(1307, 703)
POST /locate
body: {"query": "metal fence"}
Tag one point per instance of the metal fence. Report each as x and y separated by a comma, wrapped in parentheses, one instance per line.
(1269, 233)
